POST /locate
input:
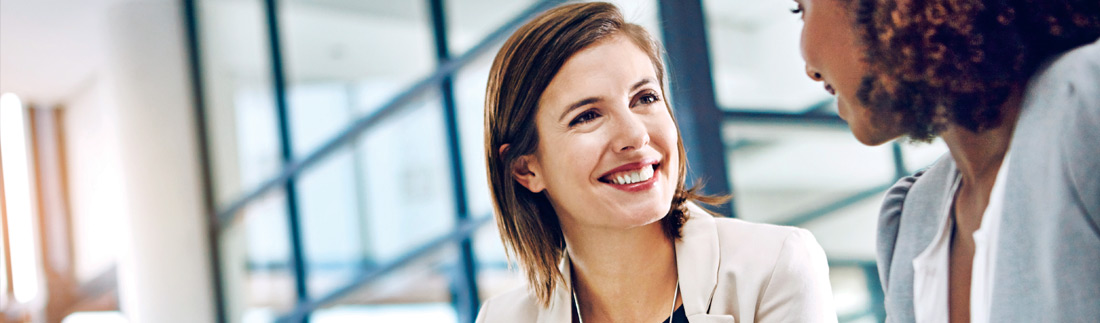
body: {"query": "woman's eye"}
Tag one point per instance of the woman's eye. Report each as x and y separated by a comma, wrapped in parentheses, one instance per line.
(646, 99)
(584, 117)
(798, 9)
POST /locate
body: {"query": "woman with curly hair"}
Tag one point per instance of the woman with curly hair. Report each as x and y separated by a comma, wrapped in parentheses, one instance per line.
(1006, 226)
(586, 168)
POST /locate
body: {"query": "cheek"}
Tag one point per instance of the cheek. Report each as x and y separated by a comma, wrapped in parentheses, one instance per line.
(666, 138)
(570, 158)
(660, 126)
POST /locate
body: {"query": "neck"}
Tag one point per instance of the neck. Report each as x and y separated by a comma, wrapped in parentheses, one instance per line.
(624, 275)
(978, 155)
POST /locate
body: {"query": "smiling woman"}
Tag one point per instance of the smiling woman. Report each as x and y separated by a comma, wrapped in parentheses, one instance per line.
(586, 168)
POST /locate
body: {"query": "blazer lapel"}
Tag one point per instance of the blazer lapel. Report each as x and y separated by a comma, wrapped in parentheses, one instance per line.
(697, 259)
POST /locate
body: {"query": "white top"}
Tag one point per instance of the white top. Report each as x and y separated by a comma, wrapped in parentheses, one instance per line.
(930, 267)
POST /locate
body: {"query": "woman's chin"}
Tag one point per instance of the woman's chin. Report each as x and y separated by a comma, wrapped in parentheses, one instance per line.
(638, 217)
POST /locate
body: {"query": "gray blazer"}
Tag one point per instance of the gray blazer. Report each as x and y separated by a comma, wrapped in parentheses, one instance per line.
(1048, 266)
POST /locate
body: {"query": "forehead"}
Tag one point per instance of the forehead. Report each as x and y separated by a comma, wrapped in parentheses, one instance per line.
(604, 68)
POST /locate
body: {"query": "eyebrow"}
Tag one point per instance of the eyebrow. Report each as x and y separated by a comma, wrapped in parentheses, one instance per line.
(591, 100)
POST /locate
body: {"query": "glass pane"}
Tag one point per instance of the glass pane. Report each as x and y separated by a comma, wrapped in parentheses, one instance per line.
(755, 56)
(240, 109)
(821, 179)
(332, 229)
(257, 278)
(407, 187)
(850, 291)
(782, 172)
(416, 292)
(344, 59)
(470, 21)
(372, 202)
(641, 12)
(469, 88)
(848, 233)
(494, 277)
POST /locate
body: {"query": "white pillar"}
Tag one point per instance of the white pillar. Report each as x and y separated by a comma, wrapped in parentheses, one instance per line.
(164, 267)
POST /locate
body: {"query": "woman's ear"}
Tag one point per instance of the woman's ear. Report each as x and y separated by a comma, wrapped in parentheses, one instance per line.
(526, 171)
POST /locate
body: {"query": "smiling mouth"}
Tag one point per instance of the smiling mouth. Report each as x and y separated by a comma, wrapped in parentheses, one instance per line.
(630, 175)
(829, 88)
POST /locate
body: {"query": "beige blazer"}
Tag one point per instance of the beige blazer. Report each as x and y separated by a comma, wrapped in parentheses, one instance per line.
(730, 271)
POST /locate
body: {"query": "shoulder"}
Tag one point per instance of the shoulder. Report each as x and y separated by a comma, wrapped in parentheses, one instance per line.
(1065, 91)
(1080, 66)
(781, 271)
(768, 238)
(761, 251)
(919, 197)
(920, 193)
(1060, 122)
(517, 305)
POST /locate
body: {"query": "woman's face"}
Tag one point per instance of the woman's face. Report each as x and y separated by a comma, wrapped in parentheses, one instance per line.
(834, 56)
(607, 154)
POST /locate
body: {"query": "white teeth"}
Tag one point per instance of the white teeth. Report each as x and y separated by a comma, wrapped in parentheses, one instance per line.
(641, 175)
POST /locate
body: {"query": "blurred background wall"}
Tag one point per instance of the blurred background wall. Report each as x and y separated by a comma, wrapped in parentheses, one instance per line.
(321, 160)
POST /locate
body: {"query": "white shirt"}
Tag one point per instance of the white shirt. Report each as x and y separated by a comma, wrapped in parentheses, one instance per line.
(930, 267)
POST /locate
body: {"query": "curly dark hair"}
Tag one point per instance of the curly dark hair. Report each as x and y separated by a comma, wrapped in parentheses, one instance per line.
(933, 62)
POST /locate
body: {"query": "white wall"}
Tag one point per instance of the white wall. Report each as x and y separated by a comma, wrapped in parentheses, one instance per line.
(164, 268)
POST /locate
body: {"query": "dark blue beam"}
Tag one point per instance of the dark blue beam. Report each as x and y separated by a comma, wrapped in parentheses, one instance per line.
(213, 242)
(783, 118)
(464, 279)
(697, 113)
(286, 150)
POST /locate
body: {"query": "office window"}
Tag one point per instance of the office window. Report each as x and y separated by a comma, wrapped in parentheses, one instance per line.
(470, 21)
(376, 211)
(754, 49)
(238, 96)
(377, 200)
(364, 52)
(257, 274)
(417, 291)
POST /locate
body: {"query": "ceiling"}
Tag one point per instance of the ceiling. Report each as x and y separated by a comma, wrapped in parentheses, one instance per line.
(50, 49)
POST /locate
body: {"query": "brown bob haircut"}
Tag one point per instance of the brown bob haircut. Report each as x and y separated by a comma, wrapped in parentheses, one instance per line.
(520, 73)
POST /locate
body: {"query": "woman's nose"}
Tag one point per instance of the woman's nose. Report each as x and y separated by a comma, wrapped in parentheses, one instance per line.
(813, 73)
(631, 133)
